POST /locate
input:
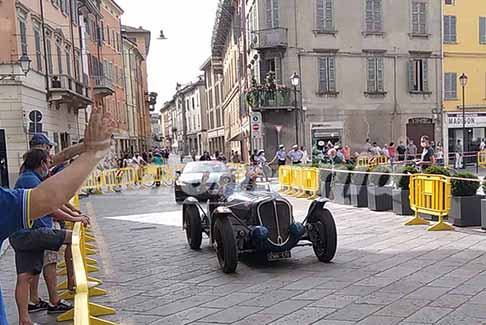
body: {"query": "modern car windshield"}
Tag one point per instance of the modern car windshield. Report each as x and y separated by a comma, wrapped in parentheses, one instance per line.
(205, 167)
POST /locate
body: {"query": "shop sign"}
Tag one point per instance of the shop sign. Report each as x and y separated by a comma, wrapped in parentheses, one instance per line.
(472, 120)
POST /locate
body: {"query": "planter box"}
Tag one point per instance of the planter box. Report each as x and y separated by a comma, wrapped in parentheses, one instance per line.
(380, 198)
(326, 189)
(483, 214)
(341, 193)
(359, 195)
(401, 202)
(465, 211)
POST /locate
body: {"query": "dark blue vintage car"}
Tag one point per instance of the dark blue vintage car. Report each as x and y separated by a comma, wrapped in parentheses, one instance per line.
(254, 219)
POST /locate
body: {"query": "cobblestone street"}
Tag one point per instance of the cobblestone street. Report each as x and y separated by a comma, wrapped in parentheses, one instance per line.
(383, 273)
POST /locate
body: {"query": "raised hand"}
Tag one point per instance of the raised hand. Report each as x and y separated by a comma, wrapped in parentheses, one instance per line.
(97, 137)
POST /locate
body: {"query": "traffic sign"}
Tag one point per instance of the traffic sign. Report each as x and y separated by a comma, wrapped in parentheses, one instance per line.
(256, 125)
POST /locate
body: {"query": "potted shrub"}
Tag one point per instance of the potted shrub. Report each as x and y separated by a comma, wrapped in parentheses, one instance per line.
(465, 203)
(341, 182)
(380, 195)
(401, 193)
(435, 170)
(359, 188)
(325, 175)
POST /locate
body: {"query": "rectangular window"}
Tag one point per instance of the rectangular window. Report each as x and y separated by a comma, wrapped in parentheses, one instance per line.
(450, 29)
(373, 20)
(272, 14)
(50, 68)
(449, 2)
(38, 50)
(325, 15)
(376, 75)
(108, 34)
(419, 17)
(23, 37)
(59, 59)
(418, 75)
(450, 85)
(275, 65)
(68, 63)
(327, 74)
(482, 30)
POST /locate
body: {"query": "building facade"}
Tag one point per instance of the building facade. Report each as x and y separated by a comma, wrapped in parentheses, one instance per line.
(52, 98)
(464, 38)
(364, 72)
(168, 123)
(196, 117)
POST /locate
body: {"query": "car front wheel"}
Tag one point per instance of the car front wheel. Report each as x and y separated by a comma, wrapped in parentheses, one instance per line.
(193, 227)
(324, 235)
(225, 245)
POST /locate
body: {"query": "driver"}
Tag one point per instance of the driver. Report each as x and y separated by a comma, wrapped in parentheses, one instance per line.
(252, 173)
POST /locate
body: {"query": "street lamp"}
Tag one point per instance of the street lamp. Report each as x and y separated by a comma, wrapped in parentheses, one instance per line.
(295, 80)
(463, 80)
(24, 62)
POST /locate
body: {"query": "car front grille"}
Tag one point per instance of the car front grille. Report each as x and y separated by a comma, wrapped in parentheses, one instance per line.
(276, 216)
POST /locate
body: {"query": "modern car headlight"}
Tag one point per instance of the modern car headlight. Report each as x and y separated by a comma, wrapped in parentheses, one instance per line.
(179, 183)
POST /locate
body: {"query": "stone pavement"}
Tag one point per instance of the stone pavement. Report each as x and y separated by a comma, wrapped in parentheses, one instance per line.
(383, 273)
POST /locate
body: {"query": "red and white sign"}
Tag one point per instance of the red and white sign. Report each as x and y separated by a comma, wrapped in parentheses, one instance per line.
(256, 125)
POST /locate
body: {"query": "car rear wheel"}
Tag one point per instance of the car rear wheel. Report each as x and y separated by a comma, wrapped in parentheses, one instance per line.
(193, 227)
(225, 245)
(324, 238)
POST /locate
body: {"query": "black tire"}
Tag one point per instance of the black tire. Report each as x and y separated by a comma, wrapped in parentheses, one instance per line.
(193, 227)
(325, 246)
(225, 245)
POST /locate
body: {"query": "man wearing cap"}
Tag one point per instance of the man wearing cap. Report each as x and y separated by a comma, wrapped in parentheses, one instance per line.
(295, 155)
(280, 156)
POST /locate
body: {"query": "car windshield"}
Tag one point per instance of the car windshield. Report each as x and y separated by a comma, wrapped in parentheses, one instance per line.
(205, 167)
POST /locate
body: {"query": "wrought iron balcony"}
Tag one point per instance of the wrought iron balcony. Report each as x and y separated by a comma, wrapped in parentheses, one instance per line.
(269, 38)
(103, 86)
(266, 99)
(63, 89)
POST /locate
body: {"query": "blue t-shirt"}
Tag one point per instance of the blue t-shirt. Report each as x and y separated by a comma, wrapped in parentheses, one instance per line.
(14, 215)
(30, 179)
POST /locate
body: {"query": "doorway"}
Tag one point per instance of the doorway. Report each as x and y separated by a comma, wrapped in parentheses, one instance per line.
(416, 128)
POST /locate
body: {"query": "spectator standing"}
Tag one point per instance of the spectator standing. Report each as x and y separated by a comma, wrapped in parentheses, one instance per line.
(482, 145)
(427, 158)
(347, 153)
(295, 155)
(280, 156)
(401, 151)
(235, 158)
(459, 155)
(375, 150)
(205, 156)
(385, 151)
(305, 155)
(411, 151)
(392, 152)
(439, 156)
(367, 146)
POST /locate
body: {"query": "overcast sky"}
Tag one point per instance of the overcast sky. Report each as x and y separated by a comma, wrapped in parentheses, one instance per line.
(188, 25)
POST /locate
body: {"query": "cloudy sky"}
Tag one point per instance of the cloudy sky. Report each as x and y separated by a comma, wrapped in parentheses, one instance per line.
(187, 24)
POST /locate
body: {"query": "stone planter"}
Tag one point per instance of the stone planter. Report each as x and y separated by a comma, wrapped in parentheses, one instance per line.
(401, 202)
(341, 193)
(483, 214)
(465, 211)
(359, 195)
(380, 198)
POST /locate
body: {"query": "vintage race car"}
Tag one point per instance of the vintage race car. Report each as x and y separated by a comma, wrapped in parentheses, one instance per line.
(258, 221)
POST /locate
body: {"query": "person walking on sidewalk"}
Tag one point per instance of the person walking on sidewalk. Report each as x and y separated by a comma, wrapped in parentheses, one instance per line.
(459, 155)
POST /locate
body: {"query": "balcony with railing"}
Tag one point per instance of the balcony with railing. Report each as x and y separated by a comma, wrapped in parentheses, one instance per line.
(271, 96)
(270, 38)
(103, 86)
(63, 89)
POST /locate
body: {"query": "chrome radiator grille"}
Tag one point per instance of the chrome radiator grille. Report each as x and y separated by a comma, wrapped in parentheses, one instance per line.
(276, 216)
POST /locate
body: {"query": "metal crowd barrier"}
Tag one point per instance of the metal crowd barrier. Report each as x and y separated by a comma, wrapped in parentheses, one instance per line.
(430, 194)
(371, 161)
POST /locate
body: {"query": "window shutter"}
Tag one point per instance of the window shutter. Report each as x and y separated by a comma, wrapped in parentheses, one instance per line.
(377, 16)
(278, 70)
(423, 18)
(38, 52)
(447, 27)
(332, 73)
(276, 14)
(320, 14)
(268, 10)
(371, 75)
(425, 74)
(482, 30)
(323, 75)
(329, 23)
(23, 37)
(411, 75)
(453, 28)
(415, 17)
(380, 74)
(369, 15)
(454, 85)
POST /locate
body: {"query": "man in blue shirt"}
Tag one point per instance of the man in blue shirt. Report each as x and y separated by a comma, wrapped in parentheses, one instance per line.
(19, 207)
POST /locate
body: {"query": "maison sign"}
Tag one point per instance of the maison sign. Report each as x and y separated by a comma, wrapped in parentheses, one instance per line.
(454, 120)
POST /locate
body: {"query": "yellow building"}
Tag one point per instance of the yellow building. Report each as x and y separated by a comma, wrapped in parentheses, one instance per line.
(464, 37)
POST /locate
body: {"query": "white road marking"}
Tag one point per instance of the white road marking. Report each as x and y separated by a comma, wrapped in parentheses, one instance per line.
(170, 218)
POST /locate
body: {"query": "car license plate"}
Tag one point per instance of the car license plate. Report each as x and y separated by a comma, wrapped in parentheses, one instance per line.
(275, 256)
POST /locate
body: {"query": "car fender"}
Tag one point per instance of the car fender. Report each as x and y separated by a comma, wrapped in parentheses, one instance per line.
(219, 212)
(190, 201)
(316, 205)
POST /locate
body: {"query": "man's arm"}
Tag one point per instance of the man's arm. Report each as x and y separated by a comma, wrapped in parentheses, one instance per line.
(54, 192)
(60, 215)
(68, 154)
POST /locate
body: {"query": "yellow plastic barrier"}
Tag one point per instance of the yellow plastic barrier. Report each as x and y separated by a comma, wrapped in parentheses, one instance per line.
(84, 312)
(363, 161)
(285, 178)
(311, 182)
(430, 194)
(482, 159)
(297, 183)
